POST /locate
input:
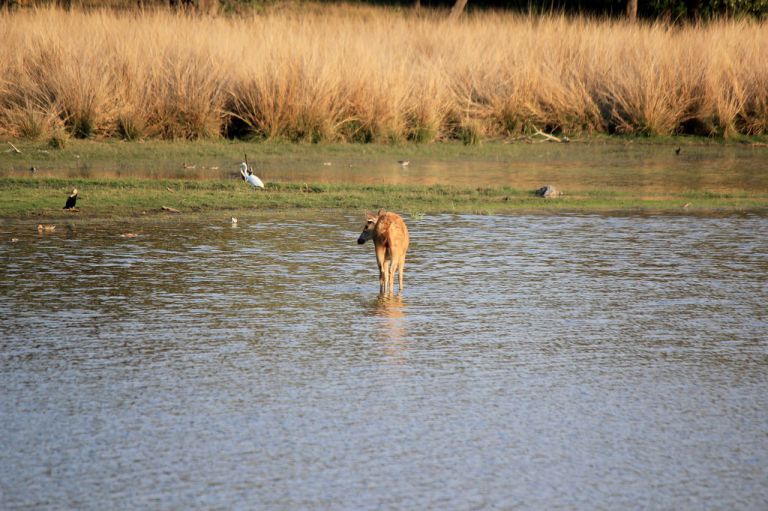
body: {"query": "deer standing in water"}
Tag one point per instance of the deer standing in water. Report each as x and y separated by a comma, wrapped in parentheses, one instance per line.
(390, 238)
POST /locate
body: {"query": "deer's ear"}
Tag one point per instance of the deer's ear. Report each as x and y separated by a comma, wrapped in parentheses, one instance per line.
(381, 212)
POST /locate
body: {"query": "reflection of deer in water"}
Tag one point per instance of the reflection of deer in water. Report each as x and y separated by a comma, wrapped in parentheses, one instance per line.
(390, 238)
(390, 312)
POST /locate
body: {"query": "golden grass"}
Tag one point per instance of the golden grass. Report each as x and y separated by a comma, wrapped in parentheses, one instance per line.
(364, 74)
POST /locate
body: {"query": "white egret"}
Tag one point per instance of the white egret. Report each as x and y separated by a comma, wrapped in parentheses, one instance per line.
(249, 177)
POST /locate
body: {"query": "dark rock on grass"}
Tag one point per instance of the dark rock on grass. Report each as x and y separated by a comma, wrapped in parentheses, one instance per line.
(548, 192)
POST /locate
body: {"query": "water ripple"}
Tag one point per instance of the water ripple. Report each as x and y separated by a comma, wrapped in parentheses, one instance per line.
(555, 362)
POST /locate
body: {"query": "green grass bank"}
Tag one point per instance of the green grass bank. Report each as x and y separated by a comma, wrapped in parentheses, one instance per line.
(104, 198)
(600, 174)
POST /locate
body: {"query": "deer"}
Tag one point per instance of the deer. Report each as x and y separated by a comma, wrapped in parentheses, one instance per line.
(390, 239)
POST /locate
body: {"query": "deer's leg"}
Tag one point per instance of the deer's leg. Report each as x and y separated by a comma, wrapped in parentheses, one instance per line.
(393, 266)
(381, 253)
(401, 269)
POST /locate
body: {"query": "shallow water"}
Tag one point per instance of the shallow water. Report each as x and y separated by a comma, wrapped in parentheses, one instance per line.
(575, 166)
(538, 362)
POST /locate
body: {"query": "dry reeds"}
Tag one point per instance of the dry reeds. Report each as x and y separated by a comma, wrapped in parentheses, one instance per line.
(374, 75)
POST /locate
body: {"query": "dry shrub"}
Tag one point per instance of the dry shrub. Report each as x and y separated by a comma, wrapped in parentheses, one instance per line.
(737, 80)
(286, 92)
(175, 80)
(71, 76)
(362, 74)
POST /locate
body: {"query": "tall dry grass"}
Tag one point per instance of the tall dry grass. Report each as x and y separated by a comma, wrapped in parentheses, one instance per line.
(374, 75)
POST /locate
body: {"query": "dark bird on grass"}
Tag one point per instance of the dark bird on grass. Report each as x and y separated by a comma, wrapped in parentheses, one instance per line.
(71, 200)
(32, 170)
(677, 150)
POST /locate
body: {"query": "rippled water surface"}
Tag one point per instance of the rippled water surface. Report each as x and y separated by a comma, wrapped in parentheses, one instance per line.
(534, 362)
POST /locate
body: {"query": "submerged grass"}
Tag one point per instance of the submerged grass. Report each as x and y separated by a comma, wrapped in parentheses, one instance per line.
(26, 197)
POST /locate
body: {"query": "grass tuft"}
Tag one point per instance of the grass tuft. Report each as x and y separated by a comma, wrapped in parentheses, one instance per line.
(58, 139)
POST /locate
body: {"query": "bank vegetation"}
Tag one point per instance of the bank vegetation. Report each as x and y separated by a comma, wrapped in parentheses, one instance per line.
(361, 74)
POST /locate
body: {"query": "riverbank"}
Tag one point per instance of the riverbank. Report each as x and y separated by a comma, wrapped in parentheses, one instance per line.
(101, 153)
(600, 174)
(105, 198)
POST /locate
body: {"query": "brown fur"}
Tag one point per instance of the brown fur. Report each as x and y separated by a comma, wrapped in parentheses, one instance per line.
(390, 238)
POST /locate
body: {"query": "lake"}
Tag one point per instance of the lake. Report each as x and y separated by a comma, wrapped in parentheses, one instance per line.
(532, 362)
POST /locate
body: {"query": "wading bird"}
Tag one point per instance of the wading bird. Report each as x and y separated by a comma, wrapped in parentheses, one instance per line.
(71, 200)
(249, 177)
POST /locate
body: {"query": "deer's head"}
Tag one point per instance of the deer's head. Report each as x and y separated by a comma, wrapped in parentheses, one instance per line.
(370, 223)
